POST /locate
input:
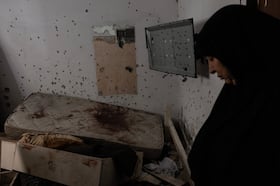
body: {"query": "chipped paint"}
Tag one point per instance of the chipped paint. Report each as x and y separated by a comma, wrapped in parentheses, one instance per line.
(104, 30)
(89, 162)
(46, 46)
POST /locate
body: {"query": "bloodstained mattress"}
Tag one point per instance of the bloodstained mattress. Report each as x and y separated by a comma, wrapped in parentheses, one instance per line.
(80, 117)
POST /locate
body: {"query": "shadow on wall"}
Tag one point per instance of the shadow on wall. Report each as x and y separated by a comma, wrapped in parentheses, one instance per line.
(202, 68)
(10, 95)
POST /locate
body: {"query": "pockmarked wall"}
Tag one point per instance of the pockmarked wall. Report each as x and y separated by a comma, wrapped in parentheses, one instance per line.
(47, 46)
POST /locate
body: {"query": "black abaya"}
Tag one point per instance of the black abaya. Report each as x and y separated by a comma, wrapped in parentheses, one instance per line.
(239, 142)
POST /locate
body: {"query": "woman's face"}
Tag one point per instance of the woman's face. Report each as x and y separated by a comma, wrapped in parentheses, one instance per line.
(215, 66)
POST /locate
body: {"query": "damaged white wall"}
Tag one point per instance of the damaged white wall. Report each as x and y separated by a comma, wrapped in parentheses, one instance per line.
(46, 46)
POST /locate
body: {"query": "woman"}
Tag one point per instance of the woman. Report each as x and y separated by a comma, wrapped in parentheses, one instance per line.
(239, 142)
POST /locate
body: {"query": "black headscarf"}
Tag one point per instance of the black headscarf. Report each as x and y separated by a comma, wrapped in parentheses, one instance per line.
(239, 144)
(242, 39)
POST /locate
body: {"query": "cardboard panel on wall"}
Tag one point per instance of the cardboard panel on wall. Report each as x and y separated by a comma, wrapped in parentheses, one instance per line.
(115, 66)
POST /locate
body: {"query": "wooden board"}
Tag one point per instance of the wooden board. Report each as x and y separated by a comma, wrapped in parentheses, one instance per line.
(8, 149)
(115, 66)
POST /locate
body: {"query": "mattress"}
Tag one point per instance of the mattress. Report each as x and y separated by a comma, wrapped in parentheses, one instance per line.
(80, 117)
